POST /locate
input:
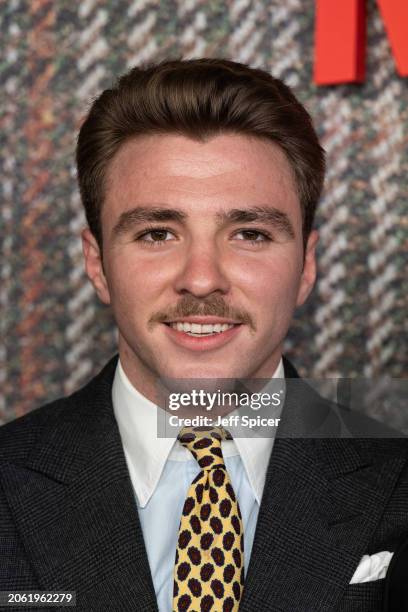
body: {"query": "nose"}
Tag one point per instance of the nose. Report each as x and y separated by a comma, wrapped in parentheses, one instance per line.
(202, 271)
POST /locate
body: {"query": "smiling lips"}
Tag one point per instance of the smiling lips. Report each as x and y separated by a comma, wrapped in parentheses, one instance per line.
(196, 329)
(202, 332)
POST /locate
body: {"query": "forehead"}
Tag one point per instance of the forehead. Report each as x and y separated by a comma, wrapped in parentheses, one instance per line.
(226, 171)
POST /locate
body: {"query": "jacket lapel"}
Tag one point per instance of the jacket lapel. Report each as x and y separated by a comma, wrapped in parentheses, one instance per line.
(74, 505)
(323, 498)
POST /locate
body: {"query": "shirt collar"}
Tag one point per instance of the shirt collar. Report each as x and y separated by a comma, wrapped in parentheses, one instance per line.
(146, 453)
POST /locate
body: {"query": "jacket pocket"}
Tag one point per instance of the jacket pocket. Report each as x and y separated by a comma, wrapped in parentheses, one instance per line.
(363, 597)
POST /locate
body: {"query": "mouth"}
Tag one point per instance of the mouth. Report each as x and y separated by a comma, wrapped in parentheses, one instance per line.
(199, 335)
(197, 330)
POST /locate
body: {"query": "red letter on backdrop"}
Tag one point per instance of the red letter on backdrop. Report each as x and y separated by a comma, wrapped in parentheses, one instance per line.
(340, 38)
(339, 41)
(395, 17)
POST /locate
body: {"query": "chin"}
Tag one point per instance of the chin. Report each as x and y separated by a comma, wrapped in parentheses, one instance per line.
(206, 375)
(209, 384)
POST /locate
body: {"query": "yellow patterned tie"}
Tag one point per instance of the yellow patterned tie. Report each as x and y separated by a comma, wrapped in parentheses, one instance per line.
(209, 567)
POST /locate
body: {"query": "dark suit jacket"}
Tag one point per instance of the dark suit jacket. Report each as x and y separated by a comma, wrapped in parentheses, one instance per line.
(68, 517)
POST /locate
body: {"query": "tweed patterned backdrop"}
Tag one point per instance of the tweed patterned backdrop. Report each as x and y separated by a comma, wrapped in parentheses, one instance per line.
(58, 55)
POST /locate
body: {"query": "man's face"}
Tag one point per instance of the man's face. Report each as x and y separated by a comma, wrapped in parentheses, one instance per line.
(215, 238)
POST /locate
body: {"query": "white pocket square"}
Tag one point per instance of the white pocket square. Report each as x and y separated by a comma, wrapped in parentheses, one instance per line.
(372, 567)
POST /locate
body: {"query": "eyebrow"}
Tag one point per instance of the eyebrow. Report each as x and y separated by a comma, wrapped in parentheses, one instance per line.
(275, 218)
(142, 214)
(268, 215)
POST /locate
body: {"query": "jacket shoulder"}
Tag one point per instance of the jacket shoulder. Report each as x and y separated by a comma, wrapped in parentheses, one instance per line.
(18, 437)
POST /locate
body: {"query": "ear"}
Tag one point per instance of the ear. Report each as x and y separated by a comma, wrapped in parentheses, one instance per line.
(93, 265)
(308, 277)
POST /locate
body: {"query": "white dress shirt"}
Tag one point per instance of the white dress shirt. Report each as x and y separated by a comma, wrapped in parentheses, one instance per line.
(161, 471)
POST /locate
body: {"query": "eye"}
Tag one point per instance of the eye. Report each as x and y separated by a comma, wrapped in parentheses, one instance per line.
(154, 237)
(254, 236)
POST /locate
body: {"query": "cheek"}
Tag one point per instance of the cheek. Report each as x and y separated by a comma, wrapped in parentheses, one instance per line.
(274, 280)
(138, 280)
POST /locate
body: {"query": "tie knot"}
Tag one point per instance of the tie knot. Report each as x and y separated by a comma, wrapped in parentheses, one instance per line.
(205, 445)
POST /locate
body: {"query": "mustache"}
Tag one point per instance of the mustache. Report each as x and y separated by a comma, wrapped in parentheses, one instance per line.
(210, 306)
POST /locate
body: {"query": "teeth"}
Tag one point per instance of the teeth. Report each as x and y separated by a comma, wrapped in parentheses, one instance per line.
(183, 326)
(198, 329)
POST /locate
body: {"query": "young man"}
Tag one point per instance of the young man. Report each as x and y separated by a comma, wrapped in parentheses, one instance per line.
(200, 181)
